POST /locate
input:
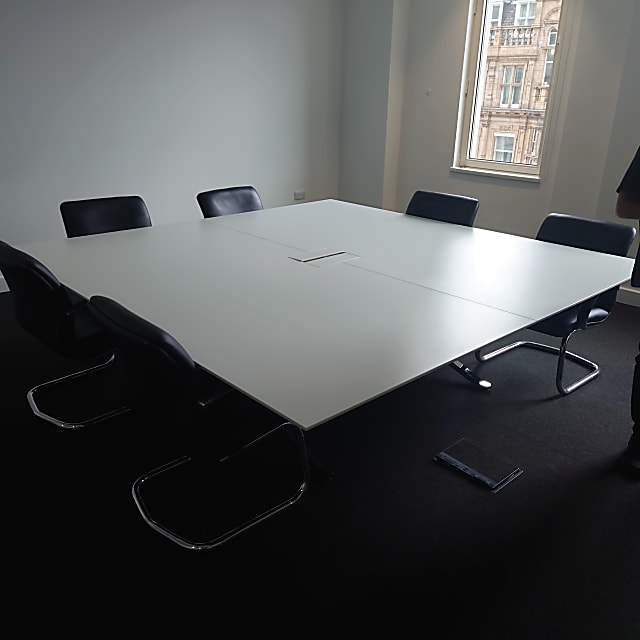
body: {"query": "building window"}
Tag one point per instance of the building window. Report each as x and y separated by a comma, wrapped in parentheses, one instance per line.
(503, 147)
(511, 86)
(548, 65)
(549, 53)
(534, 141)
(525, 13)
(509, 76)
(496, 13)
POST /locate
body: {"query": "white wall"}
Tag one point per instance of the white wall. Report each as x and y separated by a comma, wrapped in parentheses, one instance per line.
(625, 134)
(365, 95)
(164, 98)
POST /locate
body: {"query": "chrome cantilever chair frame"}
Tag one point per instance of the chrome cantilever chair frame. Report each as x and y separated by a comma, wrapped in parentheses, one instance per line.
(454, 209)
(34, 392)
(584, 233)
(227, 441)
(58, 317)
(222, 537)
(563, 355)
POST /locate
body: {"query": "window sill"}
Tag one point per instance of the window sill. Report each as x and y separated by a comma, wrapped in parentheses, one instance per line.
(522, 177)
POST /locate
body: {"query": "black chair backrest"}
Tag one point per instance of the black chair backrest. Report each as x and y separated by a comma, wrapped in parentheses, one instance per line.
(591, 234)
(158, 374)
(587, 233)
(102, 215)
(447, 207)
(41, 303)
(229, 200)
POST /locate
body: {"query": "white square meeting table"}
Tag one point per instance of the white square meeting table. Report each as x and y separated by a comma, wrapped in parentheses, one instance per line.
(314, 309)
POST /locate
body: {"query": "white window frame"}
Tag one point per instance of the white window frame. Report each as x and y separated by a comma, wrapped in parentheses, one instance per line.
(472, 85)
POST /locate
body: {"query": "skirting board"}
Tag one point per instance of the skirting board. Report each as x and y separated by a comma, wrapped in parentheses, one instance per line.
(626, 294)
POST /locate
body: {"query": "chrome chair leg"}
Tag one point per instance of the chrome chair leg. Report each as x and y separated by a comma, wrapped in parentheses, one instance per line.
(33, 404)
(223, 536)
(561, 352)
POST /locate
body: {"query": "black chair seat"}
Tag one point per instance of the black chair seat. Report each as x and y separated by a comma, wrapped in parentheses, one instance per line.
(564, 322)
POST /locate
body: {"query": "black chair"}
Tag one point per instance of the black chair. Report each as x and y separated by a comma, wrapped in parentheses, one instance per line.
(59, 318)
(229, 200)
(584, 233)
(102, 215)
(447, 207)
(235, 455)
(455, 209)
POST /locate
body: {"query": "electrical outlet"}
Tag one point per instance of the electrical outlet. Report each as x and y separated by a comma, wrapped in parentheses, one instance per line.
(299, 195)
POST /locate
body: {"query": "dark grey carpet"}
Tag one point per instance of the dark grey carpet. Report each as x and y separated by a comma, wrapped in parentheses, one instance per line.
(393, 545)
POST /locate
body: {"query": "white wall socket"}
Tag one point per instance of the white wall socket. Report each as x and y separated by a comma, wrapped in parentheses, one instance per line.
(299, 195)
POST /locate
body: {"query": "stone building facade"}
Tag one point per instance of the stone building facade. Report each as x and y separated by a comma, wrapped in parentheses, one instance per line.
(520, 39)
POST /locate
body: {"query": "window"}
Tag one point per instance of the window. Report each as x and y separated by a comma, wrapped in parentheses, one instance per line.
(503, 147)
(509, 63)
(548, 65)
(511, 86)
(496, 13)
(552, 38)
(525, 13)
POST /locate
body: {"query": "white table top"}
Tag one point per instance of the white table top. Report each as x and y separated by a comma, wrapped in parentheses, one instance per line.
(467, 262)
(312, 340)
